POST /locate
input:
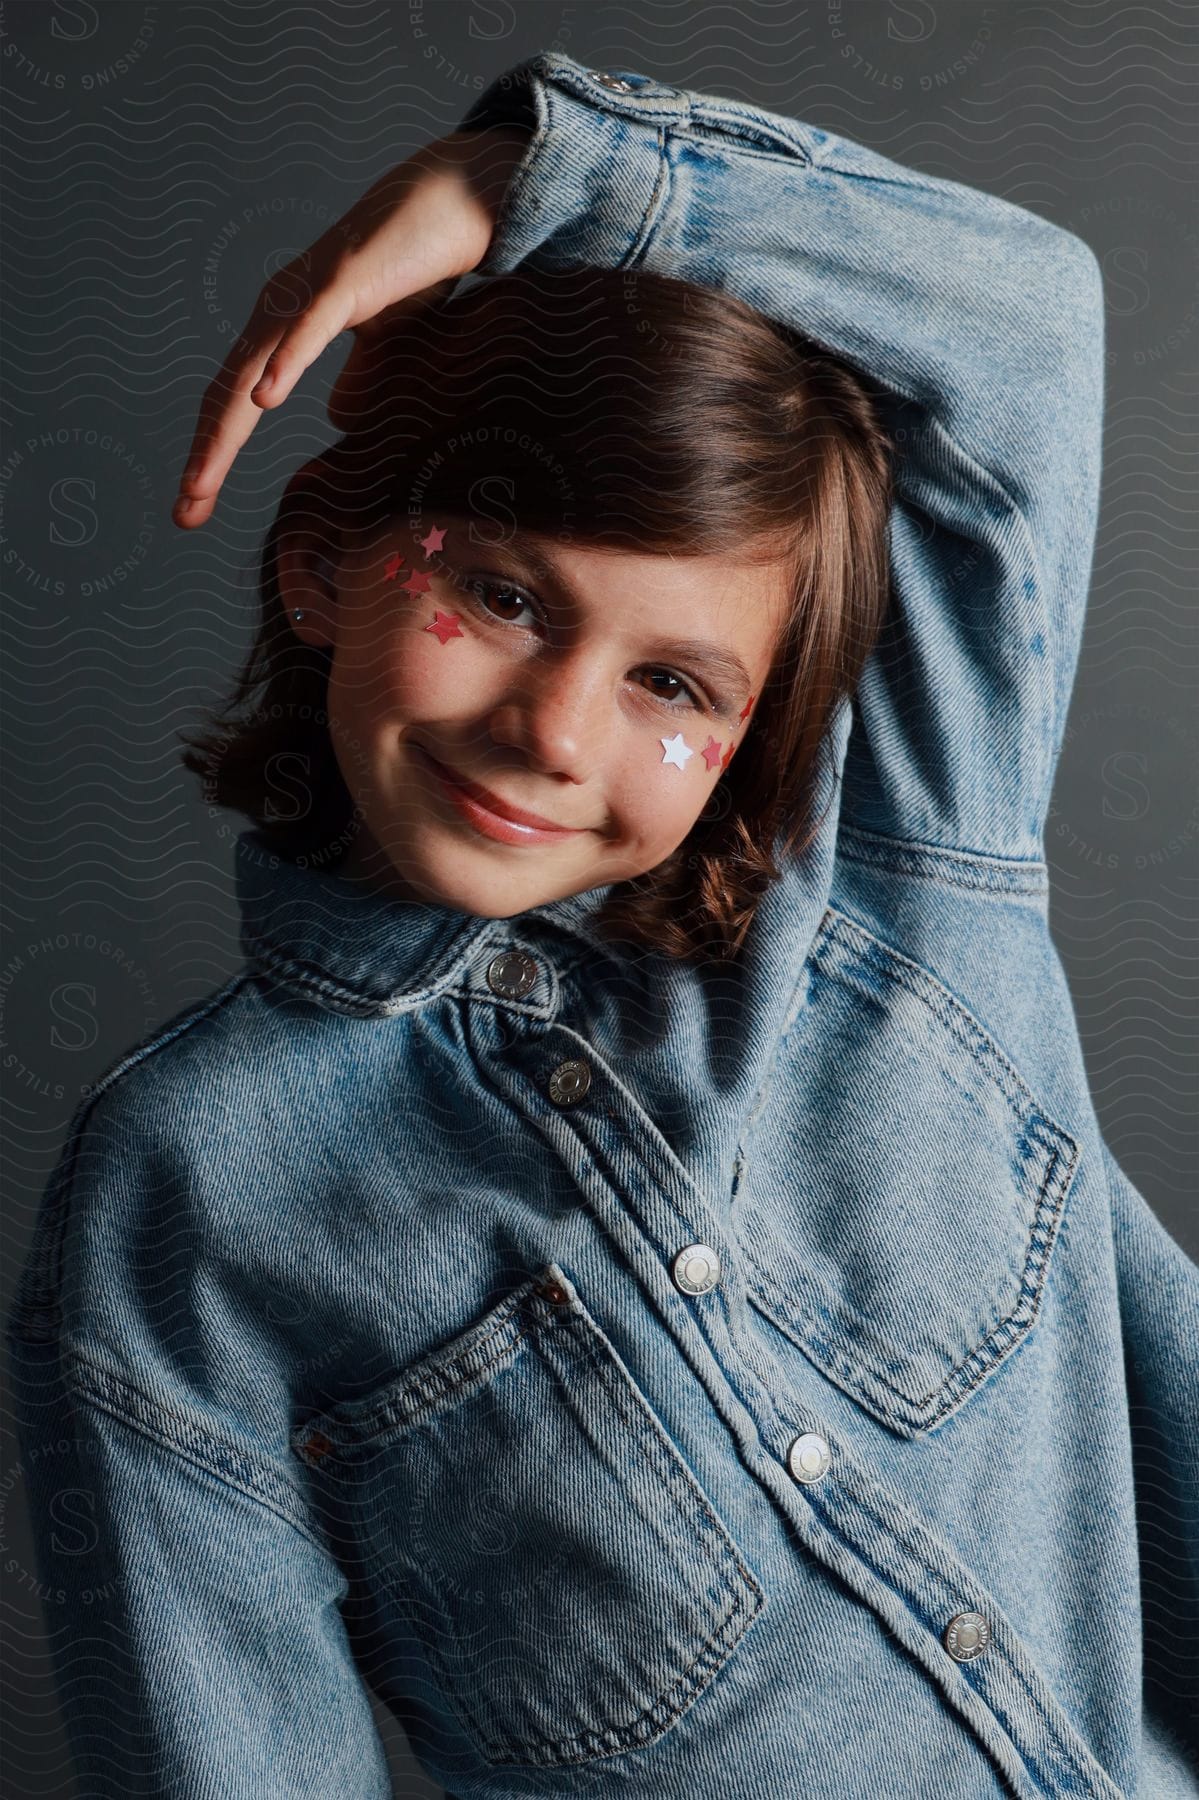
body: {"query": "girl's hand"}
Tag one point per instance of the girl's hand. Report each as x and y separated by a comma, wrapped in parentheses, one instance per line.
(417, 229)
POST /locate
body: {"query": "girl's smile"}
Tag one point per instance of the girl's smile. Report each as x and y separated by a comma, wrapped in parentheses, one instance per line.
(484, 810)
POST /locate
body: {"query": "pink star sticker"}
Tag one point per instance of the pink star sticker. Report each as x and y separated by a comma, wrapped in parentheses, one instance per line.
(728, 756)
(392, 566)
(434, 540)
(711, 752)
(445, 626)
(744, 714)
(417, 582)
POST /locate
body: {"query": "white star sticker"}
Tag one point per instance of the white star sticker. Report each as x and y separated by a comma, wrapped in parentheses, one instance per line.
(676, 750)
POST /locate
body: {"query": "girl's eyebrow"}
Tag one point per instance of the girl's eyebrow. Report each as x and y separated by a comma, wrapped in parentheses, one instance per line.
(719, 660)
(722, 662)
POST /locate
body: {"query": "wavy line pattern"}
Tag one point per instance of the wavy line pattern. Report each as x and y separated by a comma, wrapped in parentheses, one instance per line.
(161, 162)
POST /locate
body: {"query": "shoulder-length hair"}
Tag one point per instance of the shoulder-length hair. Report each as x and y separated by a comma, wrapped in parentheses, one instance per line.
(616, 409)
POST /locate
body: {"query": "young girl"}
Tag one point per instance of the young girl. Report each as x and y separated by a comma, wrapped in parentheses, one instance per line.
(629, 1271)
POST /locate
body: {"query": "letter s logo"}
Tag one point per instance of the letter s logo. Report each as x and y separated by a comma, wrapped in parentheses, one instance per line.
(923, 16)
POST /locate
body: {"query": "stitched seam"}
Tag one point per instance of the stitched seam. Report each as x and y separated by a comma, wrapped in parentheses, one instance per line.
(822, 1508)
(944, 1005)
(656, 1719)
(939, 862)
(692, 1506)
(766, 1087)
(425, 1388)
(360, 1000)
(731, 133)
(654, 208)
(894, 1532)
(153, 1420)
(830, 939)
(675, 1471)
(1037, 1258)
(36, 1312)
(834, 929)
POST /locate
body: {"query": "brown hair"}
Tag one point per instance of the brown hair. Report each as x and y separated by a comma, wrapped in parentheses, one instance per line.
(624, 410)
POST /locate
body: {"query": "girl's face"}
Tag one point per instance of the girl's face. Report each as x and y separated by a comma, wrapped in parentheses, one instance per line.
(559, 679)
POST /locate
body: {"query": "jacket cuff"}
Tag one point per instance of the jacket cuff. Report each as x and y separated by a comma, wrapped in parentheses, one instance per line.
(588, 186)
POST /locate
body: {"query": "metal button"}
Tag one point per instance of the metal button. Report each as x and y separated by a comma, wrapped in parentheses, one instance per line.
(315, 1447)
(611, 81)
(967, 1636)
(570, 1082)
(696, 1269)
(511, 974)
(809, 1457)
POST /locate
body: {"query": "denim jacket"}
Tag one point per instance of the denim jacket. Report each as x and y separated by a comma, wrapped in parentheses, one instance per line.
(655, 1379)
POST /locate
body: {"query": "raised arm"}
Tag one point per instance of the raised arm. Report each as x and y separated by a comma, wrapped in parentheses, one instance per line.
(983, 322)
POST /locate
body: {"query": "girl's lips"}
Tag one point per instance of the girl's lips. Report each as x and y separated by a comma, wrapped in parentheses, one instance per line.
(477, 806)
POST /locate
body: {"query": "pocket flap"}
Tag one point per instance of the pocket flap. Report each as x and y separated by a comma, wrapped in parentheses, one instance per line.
(907, 1188)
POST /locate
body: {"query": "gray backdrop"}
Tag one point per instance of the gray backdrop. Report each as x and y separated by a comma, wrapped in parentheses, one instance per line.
(161, 160)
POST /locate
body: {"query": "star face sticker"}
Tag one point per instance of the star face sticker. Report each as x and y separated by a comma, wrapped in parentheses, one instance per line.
(711, 752)
(392, 566)
(676, 751)
(744, 714)
(728, 756)
(418, 582)
(445, 626)
(433, 541)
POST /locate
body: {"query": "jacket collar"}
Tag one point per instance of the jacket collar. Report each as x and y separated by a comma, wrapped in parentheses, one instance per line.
(356, 950)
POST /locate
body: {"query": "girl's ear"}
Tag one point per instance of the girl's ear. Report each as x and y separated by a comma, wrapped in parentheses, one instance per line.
(307, 569)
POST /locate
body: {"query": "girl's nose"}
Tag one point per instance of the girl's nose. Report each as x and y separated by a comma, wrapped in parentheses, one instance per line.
(553, 713)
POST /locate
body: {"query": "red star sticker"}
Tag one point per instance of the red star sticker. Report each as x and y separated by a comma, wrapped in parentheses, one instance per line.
(434, 540)
(392, 566)
(745, 709)
(445, 626)
(728, 756)
(417, 582)
(711, 752)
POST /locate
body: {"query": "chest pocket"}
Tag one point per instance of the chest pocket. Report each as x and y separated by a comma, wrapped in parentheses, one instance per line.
(905, 1189)
(516, 1497)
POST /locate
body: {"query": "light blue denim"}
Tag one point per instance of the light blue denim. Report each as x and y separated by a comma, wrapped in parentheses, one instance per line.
(354, 1345)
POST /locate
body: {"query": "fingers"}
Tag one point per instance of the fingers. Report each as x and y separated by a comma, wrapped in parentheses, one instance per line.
(259, 372)
(300, 346)
(227, 417)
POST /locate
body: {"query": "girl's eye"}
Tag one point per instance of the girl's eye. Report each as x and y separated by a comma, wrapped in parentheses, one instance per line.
(512, 597)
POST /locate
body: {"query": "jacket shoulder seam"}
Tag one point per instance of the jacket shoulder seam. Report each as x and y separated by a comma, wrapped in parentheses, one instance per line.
(35, 1313)
(180, 1433)
(164, 1034)
(976, 869)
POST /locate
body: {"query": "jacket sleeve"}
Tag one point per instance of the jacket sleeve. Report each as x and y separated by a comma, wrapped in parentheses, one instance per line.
(1158, 1287)
(191, 1608)
(982, 322)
